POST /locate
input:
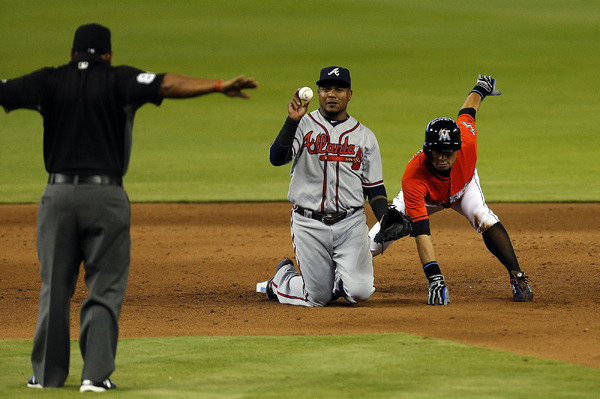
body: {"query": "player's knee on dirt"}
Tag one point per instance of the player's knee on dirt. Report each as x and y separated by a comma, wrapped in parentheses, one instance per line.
(321, 299)
(358, 292)
(484, 219)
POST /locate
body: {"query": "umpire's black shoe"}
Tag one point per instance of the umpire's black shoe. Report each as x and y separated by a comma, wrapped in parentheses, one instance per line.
(94, 386)
(271, 296)
(520, 286)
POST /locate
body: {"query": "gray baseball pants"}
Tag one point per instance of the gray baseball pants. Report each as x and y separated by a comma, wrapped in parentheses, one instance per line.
(80, 223)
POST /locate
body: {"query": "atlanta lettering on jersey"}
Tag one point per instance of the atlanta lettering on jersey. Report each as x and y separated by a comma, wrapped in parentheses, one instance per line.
(321, 145)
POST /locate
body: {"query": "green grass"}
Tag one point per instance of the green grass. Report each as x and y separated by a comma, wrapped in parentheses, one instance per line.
(352, 366)
(410, 62)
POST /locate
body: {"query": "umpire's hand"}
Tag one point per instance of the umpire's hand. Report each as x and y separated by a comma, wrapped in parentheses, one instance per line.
(234, 87)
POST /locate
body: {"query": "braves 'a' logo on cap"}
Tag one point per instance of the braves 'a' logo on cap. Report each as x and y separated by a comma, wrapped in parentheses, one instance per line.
(335, 71)
(444, 135)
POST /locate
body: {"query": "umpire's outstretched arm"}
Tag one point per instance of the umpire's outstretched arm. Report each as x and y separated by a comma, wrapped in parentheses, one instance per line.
(181, 86)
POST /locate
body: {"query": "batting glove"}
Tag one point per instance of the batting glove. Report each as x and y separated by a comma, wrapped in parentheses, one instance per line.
(486, 86)
(438, 292)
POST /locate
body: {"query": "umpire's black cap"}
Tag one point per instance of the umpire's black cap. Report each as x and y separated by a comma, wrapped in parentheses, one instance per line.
(335, 74)
(92, 38)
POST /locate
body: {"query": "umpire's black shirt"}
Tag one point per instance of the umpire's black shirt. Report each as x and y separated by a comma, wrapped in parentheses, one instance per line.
(88, 108)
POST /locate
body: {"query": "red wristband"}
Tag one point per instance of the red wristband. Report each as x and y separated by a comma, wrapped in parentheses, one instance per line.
(219, 83)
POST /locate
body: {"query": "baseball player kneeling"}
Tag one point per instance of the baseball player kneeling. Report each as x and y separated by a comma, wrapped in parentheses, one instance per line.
(443, 175)
(336, 165)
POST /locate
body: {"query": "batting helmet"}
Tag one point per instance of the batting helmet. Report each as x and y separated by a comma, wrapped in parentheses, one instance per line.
(442, 134)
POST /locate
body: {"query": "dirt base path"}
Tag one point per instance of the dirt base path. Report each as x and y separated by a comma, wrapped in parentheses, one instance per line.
(195, 267)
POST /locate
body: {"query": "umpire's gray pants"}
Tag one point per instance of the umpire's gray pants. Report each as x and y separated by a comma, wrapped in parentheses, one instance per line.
(76, 223)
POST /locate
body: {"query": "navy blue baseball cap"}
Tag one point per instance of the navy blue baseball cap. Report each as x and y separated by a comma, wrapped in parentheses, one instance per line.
(336, 75)
(93, 39)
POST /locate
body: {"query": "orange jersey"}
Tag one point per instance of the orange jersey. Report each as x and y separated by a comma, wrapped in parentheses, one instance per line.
(422, 185)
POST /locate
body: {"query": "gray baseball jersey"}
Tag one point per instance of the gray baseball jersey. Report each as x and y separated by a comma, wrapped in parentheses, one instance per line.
(332, 165)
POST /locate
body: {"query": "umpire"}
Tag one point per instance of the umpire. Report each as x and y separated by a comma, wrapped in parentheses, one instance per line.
(88, 108)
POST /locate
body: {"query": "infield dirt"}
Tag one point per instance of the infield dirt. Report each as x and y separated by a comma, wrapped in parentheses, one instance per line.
(195, 267)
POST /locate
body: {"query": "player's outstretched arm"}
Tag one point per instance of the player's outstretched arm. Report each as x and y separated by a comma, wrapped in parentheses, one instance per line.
(181, 86)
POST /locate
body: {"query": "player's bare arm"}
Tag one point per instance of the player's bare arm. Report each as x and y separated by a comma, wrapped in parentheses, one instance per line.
(473, 100)
(425, 248)
(181, 86)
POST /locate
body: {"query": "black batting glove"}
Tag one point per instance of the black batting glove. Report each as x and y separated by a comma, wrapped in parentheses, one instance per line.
(438, 292)
(486, 86)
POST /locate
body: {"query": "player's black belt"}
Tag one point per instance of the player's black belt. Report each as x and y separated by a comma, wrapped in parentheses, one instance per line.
(106, 180)
(326, 218)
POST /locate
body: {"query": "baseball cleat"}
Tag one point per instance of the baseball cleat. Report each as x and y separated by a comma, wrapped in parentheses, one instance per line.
(338, 290)
(265, 288)
(93, 386)
(272, 296)
(262, 286)
(520, 286)
(32, 383)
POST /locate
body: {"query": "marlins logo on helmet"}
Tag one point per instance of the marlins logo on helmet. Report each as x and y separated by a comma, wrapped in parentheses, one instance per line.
(444, 135)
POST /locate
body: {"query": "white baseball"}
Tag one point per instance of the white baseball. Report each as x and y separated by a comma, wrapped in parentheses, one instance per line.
(305, 93)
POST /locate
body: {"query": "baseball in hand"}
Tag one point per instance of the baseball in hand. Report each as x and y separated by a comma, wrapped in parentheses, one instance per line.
(305, 94)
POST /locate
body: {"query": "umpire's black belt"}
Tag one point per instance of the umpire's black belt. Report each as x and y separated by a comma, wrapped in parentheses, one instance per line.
(105, 180)
(326, 218)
